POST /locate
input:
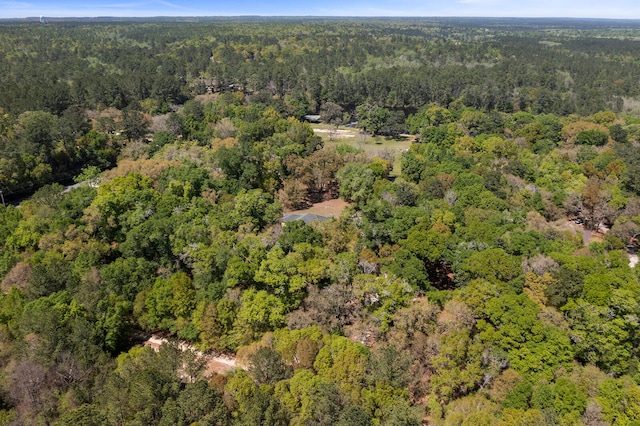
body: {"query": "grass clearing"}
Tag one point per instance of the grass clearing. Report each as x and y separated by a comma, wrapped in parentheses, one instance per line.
(373, 146)
(329, 208)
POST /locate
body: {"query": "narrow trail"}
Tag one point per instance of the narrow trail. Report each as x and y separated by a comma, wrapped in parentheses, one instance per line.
(216, 364)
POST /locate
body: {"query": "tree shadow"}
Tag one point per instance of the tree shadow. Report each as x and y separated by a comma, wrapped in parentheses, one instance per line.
(399, 138)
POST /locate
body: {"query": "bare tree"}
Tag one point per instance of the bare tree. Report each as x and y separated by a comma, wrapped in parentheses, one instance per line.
(31, 390)
(225, 128)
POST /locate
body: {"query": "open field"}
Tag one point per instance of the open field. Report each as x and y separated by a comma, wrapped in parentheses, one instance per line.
(330, 208)
(374, 146)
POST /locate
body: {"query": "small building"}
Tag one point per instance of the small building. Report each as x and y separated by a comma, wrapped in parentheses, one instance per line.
(311, 118)
(307, 218)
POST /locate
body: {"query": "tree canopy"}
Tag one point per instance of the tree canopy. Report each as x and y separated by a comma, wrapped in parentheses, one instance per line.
(478, 270)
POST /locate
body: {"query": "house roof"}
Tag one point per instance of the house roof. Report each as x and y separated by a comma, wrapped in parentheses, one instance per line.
(312, 117)
(307, 218)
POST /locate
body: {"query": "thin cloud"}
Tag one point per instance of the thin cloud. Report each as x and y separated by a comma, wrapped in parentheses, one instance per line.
(174, 6)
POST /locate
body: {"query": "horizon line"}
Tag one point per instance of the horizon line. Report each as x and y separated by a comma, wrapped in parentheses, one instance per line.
(37, 17)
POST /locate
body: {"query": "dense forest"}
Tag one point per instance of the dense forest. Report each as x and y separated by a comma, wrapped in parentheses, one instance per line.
(482, 273)
(51, 75)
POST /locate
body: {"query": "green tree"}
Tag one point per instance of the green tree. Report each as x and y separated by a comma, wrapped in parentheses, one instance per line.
(457, 367)
(268, 367)
(592, 137)
(262, 408)
(289, 275)
(382, 296)
(618, 133)
(344, 363)
(428, 245)
(600, 338)
(570, 401)
(331, 113)
(134, 125)
(143, 380)
(120, 204)
(492, 264)
(170, 300)
(255, 208)
(86, 414)
(198, 402)
(356, 182)
(534, 349)
(620, 401)
(36, 132)
(298, 232)
(259, 312)
(372, 118)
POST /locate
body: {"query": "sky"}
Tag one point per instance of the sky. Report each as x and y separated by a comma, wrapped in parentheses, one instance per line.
(616, 9)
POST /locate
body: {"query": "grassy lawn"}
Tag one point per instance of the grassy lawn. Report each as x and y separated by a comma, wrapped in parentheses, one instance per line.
(374, 146)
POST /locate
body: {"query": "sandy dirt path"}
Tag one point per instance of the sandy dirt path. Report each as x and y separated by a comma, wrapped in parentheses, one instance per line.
(216, 364)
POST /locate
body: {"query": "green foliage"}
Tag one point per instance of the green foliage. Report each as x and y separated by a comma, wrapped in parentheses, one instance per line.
(413, 166)
(255, 208)
(344, 363)
(216, 324)
(410, 268)
(528, 326)
(356, 182)
(121, 204)
(169, 300)
(570, 400)
(534, 348)
(618, 133)
(519, 397)
(382, 296)
(134, 125)
(457, 366)
(128, 276)
(377, 119)
(197, 403)
(137, 390)
(186, 181)
(601, 339)
(390, 366)
(492, 264)
(289, 275)
(298, 232)
(259, 312)
(50, 273)
(261, 408)
(592, 137)
(620, 401)
(430, 116)
(427, 244)
(267, 366)
(568, 284)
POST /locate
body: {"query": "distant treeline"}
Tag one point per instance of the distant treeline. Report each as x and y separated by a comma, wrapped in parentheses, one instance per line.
(547, 65)
(74, 92)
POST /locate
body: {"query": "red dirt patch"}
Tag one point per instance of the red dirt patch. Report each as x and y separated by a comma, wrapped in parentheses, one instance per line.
(218, 366)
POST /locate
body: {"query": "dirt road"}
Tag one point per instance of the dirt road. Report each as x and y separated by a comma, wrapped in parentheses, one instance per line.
(216, 364)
